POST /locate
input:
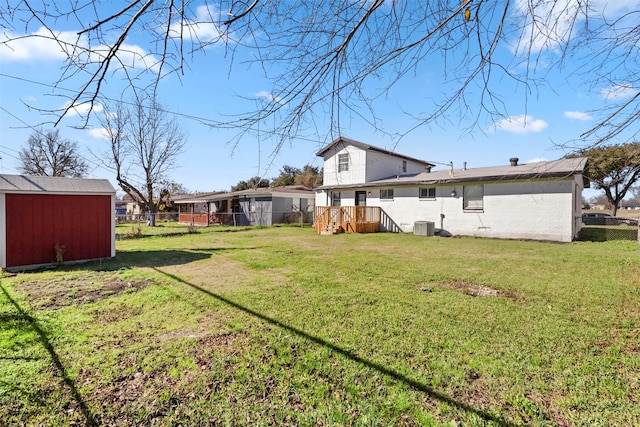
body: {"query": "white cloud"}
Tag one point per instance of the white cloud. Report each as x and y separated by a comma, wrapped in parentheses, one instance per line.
(617, 92)
(41, 45)
(269, 96)
(81, 109)
(520, 124)
(578, 115)
(129, 56)
(537, 160)
(202, 29)
(44, 45)
(100, 133)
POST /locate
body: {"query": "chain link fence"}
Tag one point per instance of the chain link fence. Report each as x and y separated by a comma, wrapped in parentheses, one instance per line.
(264, 218)
(260, 218)
(143, 218)
(610, 228)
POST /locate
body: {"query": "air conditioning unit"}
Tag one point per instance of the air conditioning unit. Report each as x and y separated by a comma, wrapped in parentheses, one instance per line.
(424, 228)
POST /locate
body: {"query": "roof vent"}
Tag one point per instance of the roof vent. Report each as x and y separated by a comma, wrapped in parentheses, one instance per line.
(513, 161)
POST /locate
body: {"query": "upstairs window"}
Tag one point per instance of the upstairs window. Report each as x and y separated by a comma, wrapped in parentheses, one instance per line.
(473, 197)
(427, 193)
(404, 166)
(386, 194)
(343, 162)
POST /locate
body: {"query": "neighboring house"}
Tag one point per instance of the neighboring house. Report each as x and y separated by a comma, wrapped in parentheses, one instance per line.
(45, 220)
(540, 201)
(196, 209)
(259, 206)
(132, 207)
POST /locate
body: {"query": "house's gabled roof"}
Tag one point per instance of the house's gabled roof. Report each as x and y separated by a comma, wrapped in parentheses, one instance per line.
(549, 169)
(197, 198)
(291, 190)
(287, 190)
(51, 184)
(347, 141)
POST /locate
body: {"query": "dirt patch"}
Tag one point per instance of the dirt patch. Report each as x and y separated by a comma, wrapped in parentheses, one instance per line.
(477, 290)
(64, 291)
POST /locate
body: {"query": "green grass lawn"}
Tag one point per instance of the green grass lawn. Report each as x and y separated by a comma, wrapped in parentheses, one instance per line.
(281, 326)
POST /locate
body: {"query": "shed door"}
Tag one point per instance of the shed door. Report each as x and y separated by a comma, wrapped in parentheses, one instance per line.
(37, 223)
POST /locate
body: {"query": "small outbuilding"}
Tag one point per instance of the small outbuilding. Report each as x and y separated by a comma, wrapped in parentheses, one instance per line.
(46, 220)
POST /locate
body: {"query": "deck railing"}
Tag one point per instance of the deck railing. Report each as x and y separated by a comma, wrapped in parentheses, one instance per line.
(194, 218)
(350, 219)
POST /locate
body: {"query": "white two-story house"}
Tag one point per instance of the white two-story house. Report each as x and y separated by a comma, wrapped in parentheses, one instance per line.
(367, 188)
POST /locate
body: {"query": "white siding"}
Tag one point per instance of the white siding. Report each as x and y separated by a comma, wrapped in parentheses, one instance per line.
(322, 198)
(381, 166)
(541, 210)
(357, 166)
(578, 186)
(365, 166)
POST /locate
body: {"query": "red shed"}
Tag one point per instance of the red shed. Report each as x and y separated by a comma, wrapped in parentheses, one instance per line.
(46, 220)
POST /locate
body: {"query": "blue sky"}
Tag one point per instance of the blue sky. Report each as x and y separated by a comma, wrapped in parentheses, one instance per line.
(555, 113)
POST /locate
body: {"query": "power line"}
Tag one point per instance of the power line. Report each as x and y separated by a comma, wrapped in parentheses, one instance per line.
(202, 120)
(35, 129)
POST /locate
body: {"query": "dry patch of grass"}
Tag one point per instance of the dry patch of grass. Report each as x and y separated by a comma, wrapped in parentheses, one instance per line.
(65, 290)
(472, 289)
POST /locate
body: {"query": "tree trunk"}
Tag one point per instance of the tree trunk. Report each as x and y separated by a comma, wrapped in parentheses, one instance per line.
(151, 218)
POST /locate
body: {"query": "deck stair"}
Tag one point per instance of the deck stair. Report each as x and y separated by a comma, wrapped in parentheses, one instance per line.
(331, 229)
(347, 219)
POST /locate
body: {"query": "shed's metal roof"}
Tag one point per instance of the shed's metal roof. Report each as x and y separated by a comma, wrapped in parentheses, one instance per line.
(549, 169)
(50, 184)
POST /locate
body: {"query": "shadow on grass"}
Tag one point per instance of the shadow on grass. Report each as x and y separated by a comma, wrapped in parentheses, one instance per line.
(31, 322)
(350, 355)
(153, 258)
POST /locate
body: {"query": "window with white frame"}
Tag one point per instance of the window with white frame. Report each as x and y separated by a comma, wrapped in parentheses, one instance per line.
(386, 194)
(473, 197)
(404, 166)
(427, 192)
(335, 199)
(343, 162)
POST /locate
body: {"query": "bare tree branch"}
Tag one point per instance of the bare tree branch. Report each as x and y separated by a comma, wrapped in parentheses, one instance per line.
(323, 58)
(143, 147)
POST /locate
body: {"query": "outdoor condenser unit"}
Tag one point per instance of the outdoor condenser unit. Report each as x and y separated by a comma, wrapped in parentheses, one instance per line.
(424, 228)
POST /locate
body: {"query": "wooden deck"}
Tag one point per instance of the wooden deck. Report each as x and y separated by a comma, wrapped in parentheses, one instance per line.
(349, 219)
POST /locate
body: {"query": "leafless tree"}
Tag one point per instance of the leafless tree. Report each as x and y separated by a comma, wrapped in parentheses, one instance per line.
(321, 55)
(144, 144)
(47, 154)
